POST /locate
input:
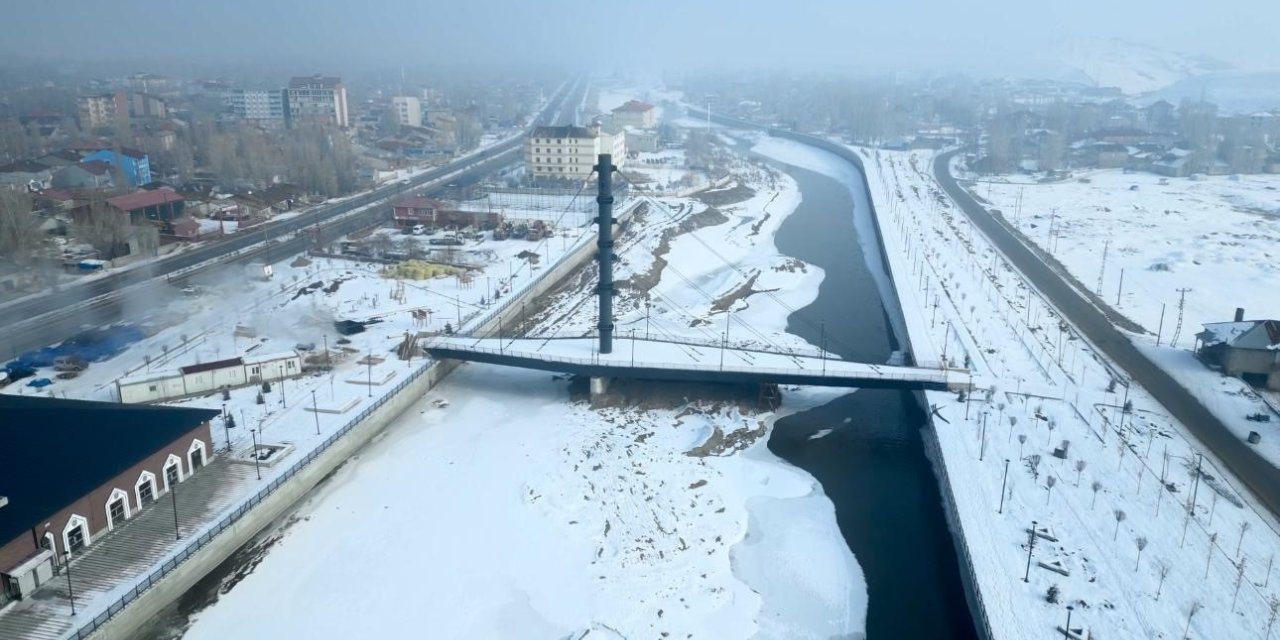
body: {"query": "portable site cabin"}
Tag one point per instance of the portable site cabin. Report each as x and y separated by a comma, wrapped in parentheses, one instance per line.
(208, 377)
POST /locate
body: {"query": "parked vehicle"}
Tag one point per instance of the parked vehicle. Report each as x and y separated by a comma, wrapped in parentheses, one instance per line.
(418, 229)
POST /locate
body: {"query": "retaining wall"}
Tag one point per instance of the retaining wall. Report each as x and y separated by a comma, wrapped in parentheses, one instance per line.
(154, 593)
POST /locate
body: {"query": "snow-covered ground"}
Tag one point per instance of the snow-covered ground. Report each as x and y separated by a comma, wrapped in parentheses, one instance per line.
(1105, 527)
(1217, 238)
(534, 516)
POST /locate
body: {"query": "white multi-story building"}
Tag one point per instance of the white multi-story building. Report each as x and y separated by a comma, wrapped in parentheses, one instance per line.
(408, 111)
(570, 152)
(318, 99)
(266, 106)
(100, 110)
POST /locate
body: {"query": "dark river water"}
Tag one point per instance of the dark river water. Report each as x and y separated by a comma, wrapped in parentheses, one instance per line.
(872, 465)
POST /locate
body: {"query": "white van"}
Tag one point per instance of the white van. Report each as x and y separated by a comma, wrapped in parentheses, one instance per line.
(418, 229)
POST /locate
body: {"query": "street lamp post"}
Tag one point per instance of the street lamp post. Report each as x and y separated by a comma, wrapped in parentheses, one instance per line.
(1066, 633)
(1002, 485)
(226, 426)
(315, 411)
(253, 433)
(71, 594)
(173, 495)
(1031, 547)
(982, 446)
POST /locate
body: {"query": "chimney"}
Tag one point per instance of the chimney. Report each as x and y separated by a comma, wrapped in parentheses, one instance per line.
(1239, 314)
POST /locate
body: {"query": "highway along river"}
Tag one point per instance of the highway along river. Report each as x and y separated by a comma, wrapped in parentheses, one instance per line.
(872, 463)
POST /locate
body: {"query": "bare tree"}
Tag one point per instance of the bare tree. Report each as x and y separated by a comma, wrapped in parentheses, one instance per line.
(1120, 517)
(1274, 604)
(1123, 445)
(1080, 465)
(1191, 613)
(1096, 486)
(1162, 568)
(1022, 439)
(1049, 481)
(106, 231)
(1033, 461)
(19, 227)
(1244, 527)
(1050, 426)
(1239, 579)
(1213, 540)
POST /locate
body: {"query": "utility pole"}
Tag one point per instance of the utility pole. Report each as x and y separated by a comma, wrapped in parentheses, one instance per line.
(1102, 270)
(1177, 328)
(1120, 287)
(1160, 329)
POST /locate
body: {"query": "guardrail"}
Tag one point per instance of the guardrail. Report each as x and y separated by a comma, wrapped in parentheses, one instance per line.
(146, 582)
(883, 372)
(150, 580)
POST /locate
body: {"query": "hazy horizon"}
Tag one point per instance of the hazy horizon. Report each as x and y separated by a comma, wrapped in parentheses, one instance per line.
(1000, 37)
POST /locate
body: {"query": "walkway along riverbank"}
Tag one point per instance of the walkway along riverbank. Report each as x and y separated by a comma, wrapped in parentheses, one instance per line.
(154, 592)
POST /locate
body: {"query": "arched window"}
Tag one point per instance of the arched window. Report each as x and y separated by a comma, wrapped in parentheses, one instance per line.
(195, 455)
(75, 536)
(117, 508)
(172, 471)
(145, 489)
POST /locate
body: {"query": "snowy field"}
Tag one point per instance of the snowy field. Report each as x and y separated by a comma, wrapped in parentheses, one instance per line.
(536, 517)
(1218, 238)
(1134, 561)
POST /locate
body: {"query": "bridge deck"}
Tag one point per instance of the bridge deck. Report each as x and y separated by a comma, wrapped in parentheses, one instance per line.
(676, 361)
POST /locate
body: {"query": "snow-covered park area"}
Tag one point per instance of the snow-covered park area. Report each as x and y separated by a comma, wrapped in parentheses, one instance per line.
(532, 515)
(1151, 239)
(1128, 534)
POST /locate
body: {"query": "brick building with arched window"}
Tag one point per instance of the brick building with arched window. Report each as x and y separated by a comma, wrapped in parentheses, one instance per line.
(73, 470)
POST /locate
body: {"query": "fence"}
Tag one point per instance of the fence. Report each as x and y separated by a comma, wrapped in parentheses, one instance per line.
(863, 370)
(146, 582)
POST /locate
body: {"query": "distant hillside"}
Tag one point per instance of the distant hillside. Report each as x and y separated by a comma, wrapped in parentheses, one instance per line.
(1134, 68)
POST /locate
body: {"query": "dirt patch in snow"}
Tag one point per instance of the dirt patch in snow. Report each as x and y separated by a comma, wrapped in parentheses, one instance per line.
(732, 195)
(642, 283)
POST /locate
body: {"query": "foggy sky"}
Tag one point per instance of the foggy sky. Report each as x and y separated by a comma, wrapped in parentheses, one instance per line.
(997, 36)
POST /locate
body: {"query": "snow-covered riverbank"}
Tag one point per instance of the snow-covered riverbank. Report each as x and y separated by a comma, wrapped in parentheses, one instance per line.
(1054, 443)
(513, 512)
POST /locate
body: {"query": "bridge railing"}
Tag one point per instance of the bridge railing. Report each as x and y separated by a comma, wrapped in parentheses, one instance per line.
(691, 341)
(882, 372)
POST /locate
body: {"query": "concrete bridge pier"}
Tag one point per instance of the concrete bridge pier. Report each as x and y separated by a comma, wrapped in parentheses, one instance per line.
(599, 387)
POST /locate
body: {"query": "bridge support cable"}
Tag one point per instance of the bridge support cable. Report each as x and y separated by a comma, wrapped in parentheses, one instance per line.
(791, 311)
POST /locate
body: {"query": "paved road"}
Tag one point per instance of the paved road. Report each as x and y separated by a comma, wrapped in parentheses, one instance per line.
(1255, 472)
(49, 318)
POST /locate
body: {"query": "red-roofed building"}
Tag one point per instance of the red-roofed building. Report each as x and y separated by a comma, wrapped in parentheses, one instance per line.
(634, 113)
(434, 213)
(160, 205)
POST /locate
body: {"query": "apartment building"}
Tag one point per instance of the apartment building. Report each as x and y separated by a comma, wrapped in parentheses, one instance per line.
(408, 110)
(264, 106)
(318, 99)
(570, 152)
